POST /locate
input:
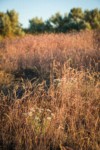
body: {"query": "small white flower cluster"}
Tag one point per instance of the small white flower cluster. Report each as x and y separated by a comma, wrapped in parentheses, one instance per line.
(38, 112)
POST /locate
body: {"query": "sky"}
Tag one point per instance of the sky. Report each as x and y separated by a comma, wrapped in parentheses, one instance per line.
(29, 9)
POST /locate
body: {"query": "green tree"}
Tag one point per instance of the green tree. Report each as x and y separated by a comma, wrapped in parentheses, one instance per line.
(9, 24)
(5, 24)
(93, 18)
(48, 26)
(15, 25)
(76, 13)
(36, 25)
(66, 21)
(76, 19)
(57, 22)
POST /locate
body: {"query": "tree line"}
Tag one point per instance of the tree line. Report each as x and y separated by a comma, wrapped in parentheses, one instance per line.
(75, 20)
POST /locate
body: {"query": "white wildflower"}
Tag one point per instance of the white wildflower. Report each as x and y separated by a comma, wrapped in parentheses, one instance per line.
(30, 114)
(48, 118)
(36, 118)
(48, 110)
(52, 114)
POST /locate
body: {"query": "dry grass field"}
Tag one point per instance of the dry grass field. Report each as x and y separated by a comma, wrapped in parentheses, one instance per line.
(50, 92)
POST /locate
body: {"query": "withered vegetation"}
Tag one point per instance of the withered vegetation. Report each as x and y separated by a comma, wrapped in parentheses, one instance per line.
(50, 92)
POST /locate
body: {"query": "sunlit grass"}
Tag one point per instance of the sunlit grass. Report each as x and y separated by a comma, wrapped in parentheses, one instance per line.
(52, 94)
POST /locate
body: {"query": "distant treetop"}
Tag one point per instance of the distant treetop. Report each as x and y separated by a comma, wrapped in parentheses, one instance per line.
(75, 20)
